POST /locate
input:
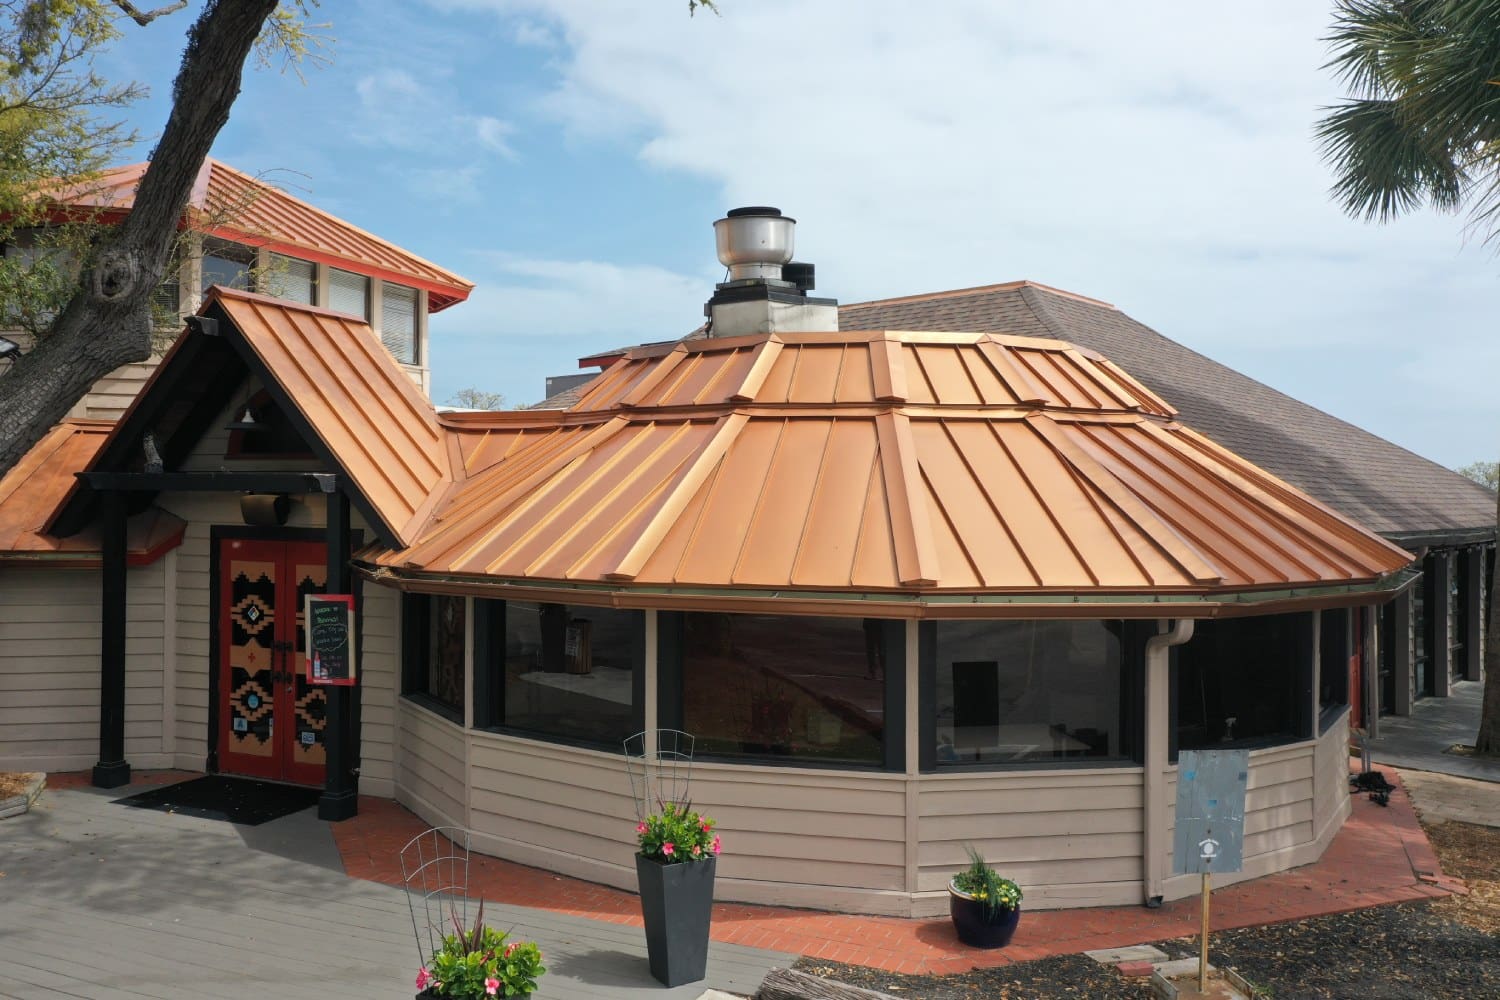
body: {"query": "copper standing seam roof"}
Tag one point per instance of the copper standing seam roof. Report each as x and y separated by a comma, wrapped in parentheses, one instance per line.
(1379, 484)
(382, 431)
(876, 462)
(263, 215)
(33, 488)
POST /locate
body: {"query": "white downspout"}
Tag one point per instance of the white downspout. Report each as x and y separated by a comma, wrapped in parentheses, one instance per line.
(1154, 781)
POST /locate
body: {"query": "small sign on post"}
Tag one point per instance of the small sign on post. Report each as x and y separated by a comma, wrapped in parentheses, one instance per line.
(1210, 831)
(329, 620)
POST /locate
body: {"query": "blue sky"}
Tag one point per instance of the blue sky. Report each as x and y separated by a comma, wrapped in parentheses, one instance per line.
(569, 157)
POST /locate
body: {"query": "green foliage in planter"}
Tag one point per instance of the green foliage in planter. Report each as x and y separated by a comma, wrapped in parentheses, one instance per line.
(677, 834)
(983, 883)
(478, 963)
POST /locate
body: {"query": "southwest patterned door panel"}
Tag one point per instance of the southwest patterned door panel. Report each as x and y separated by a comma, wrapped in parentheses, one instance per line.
(309, 571)
(270, 719)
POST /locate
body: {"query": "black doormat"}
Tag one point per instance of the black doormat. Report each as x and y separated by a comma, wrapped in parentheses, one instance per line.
(235, 800)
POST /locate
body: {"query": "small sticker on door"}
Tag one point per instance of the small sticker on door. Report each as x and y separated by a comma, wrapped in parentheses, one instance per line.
(309, 738)
(241, 725)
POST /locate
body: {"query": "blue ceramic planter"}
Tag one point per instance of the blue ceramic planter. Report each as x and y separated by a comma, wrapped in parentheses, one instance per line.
(974, 928)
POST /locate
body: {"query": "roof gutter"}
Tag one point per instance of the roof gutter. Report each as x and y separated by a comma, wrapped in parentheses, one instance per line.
(895, 604)
(1441, 537)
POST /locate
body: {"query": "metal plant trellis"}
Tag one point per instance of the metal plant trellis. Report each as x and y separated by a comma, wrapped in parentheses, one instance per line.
(435, 868)
(660, 764)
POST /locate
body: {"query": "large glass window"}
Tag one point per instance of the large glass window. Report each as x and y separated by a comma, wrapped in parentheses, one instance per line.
(349, 293)
(1334, 654)
(805, 688)
(398, 321)
(564, 671)
(1013, 692)
(225, 263)
(1245, 682)
(435, 634)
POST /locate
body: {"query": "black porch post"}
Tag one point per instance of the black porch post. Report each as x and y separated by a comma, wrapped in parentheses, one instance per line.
(112, 771)
(340, 798)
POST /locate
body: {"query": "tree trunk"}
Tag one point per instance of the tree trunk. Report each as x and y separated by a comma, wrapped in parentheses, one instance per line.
(108, 321)
(1488, 740)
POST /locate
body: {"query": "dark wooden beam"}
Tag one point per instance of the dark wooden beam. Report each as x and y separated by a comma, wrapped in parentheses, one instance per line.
(217, 482)
(340, 799)
(1440, 626)
(1401, 652)
(112, 770)
(1471, 595)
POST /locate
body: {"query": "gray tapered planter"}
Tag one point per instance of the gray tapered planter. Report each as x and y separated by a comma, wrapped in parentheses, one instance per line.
(677, 903)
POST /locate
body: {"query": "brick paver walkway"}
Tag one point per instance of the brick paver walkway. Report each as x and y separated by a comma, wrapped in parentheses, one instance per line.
(1381, 856)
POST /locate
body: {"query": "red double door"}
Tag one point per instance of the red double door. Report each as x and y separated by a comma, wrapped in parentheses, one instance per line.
(271, 720)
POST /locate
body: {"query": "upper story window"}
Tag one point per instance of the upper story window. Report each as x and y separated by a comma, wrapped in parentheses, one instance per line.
(398, 321)
(229, 264)
(349, 293)
(292, 279)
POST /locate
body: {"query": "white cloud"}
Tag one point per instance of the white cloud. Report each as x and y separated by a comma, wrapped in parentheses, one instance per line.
(523, 296)
(1151, 154)
(494, 134)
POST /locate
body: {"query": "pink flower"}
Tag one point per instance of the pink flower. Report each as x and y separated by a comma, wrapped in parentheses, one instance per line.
(640, 828)
(716, 844)
(697, 850)
(424, 978)
(510, 949)
(668, 848)
(492, 986)
(705, 826)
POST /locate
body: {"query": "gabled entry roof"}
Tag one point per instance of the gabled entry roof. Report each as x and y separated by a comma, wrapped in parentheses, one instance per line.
(874, 461)
(353, 405)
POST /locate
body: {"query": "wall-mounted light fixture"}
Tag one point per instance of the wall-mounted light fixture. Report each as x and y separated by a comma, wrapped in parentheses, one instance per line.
(268, 510)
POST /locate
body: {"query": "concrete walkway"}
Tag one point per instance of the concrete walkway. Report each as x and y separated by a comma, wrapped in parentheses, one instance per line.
(103, 901)
(1417, 741)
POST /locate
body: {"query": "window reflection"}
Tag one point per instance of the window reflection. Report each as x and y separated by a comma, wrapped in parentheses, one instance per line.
(1027, 690)
(570, 671)
(785, 686)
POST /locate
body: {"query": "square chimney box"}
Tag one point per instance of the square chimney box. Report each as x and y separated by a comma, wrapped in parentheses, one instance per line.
(766, 291)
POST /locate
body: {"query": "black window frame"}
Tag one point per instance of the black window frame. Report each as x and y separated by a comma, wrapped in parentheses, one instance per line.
(416, 637)
(1336, 645)
(489, 676)
(1132, 637)
(670, 650)
(1303, 722)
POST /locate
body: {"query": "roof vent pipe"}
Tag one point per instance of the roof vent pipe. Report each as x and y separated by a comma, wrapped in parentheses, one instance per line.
(754, 242)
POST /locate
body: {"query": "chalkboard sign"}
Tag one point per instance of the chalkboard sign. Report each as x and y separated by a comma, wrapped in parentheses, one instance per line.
(330, 638)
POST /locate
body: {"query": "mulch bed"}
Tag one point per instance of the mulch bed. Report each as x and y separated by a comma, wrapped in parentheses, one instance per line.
(1409, 952)
(1447, 948)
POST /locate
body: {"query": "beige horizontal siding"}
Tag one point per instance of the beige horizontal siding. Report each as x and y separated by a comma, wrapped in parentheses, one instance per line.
(113, 394)
(49, 667)
(430, 765)
(379, 675)
(1039, 828)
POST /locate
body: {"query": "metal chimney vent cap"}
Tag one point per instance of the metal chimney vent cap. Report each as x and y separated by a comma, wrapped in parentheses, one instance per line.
(754, 242)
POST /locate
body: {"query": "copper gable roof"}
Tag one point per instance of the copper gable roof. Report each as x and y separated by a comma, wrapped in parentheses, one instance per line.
(875, 462)
(353, 405)
(379, 428)
(255, 212)
(1379, 484)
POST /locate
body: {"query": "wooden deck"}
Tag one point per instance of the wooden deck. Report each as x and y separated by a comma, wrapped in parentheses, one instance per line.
(102, 901)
